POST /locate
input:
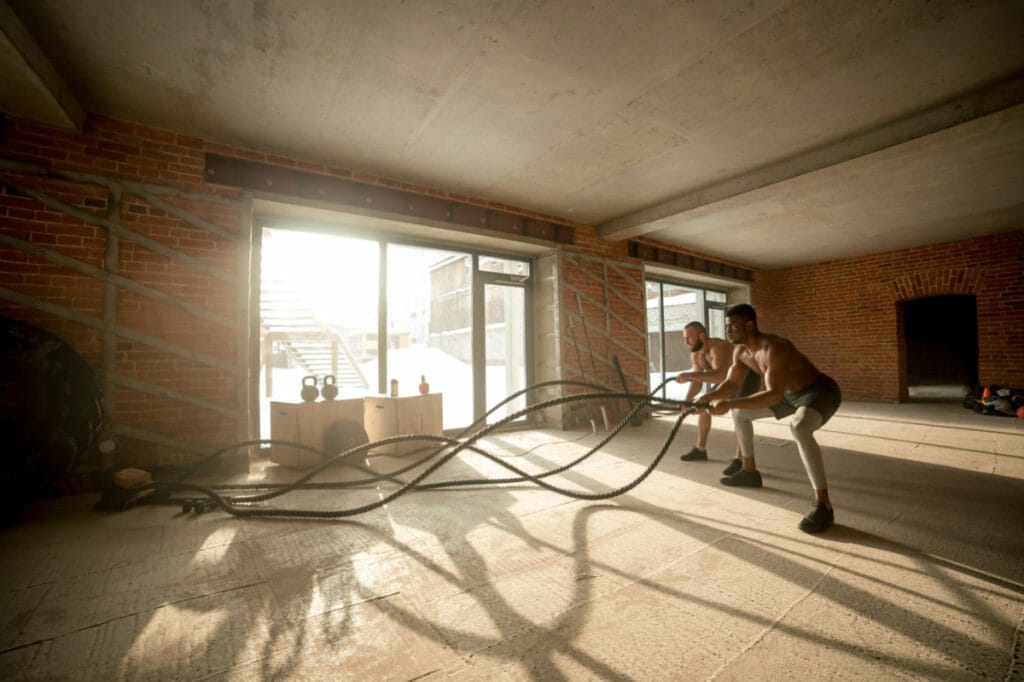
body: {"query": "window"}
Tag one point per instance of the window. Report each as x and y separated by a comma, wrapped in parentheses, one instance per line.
(454, 318)
(670, 307)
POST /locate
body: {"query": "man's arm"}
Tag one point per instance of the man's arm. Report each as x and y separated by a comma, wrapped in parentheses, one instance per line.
(734, 374)
(691, 376)
(718, 356)
(775, 377)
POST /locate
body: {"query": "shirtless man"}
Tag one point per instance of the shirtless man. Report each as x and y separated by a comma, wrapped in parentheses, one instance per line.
(710, 359)
(793, 386)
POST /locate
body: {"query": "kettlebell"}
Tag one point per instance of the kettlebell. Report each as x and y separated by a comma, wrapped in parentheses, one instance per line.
(330, 389)
(309, 389)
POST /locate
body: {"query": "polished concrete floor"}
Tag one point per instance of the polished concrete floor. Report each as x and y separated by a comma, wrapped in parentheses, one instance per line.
(678, 579)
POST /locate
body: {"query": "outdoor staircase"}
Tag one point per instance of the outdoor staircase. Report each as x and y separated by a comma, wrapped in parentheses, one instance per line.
(286, 319)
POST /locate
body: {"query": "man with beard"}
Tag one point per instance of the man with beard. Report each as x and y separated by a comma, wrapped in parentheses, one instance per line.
(793, 386)
(710, 359)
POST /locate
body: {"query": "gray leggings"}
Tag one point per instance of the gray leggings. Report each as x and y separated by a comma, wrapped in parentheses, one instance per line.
(805, 421)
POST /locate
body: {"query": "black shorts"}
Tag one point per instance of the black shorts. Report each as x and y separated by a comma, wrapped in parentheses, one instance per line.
(823, 396)
(751, 385)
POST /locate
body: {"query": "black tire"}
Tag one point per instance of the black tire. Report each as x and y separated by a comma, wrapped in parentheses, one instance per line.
(50, 412)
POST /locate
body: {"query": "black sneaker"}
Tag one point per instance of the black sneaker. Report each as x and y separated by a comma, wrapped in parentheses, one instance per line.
(818, 519)
(747, 479)
(695, 455)
(735, 464)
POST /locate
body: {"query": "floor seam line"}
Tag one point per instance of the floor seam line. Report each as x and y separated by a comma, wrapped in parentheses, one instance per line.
(812, 590)
(772, 626)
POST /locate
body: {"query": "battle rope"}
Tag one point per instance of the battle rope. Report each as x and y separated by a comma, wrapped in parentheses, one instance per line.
(245, 505)
(392, 476)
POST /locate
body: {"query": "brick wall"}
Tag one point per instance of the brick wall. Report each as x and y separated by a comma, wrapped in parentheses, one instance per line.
(127, 152)
(130, 152)
(846, 315)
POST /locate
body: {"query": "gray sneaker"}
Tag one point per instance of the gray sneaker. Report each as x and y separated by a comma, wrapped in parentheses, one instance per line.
(744, 478)
(735, 464)
(695, 455)
(818, 519)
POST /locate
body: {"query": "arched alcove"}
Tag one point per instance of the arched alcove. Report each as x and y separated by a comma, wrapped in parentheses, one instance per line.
(927, 293)
(940, 339)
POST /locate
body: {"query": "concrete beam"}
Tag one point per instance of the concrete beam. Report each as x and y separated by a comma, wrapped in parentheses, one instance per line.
(976, 104)
(33, 88)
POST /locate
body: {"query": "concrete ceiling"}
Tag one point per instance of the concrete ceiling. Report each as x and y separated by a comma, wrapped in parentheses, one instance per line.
(775, 133)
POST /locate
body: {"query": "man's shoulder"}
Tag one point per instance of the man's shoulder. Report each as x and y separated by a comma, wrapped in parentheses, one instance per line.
(774, 341)
(719, 346)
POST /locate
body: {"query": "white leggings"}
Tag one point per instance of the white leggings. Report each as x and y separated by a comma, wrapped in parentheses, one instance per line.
(803, 424)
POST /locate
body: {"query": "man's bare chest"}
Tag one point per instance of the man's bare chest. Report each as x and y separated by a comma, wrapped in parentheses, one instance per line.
(756, 360)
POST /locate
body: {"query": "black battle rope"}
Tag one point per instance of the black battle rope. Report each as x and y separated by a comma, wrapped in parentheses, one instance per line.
(229, 504)
(447, 442)
(638, 399)
(611, 434)
(330, 460)
(488, 430)
(269, 441)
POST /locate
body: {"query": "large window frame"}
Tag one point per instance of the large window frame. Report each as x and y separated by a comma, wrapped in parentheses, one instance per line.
(481, 278)
(709, 303)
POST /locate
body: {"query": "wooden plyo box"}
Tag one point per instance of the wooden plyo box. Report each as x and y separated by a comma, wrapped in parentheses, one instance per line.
(307, 423)
(386, 416)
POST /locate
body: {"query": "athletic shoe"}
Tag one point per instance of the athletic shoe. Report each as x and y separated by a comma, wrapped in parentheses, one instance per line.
(744, 478)
(735, 464)
(695, 455)
(818, 519)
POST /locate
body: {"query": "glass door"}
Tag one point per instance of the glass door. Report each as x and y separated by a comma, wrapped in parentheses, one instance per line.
(504, 348)
(505, 319)
(429, 327)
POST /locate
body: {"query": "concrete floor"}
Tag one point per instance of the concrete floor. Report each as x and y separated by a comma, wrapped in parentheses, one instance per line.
(681, 578)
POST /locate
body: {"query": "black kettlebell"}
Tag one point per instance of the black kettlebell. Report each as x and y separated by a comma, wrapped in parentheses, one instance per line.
(330, 389)
(309, 390)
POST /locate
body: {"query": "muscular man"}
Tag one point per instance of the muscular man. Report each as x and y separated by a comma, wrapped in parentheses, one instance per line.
(793, 386)
(710, 359)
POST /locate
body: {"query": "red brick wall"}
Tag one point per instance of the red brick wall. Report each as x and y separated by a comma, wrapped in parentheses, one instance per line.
(629, 317)
(115, 149)
(845, 316)
(127, 151)
(572, 272)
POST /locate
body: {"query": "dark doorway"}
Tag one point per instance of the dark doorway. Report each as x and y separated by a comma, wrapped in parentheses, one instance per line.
(942, 346)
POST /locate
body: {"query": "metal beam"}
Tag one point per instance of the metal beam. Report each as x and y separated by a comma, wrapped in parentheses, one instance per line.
(394, 202)
(116, 229)
(189, 217)
(982, 102)
(161, 392)
(603, 282)
(107, 277)
(111, 266)
(65, 313)
(167, 441)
